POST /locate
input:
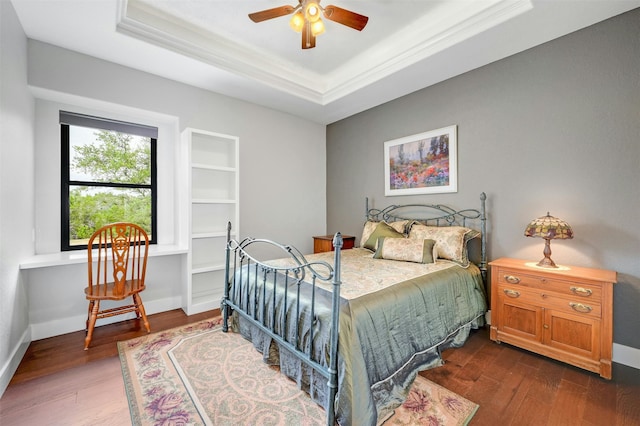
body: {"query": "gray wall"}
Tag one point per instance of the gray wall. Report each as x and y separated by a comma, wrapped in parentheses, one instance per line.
(555, 128)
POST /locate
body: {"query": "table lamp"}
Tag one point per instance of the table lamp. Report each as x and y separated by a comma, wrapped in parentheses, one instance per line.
(549, 228)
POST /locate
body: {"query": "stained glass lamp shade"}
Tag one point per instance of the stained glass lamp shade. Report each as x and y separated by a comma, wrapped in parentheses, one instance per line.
(549, 228)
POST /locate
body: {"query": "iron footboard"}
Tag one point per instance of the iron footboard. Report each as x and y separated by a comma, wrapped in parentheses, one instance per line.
(255, 288)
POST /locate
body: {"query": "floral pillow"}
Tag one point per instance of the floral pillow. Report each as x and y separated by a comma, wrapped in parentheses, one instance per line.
(405, 249)
(451, 241)
(400, 225)
(370, 226)
(382, 229)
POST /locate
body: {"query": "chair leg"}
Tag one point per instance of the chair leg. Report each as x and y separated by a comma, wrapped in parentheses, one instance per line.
(91, 323)
(86, 326)
(140, 311)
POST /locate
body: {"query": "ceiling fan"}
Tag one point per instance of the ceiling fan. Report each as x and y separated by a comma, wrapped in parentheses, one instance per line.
(306, 18)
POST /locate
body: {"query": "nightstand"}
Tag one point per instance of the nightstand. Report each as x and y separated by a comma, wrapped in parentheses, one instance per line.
(564, 313)
(324, 243)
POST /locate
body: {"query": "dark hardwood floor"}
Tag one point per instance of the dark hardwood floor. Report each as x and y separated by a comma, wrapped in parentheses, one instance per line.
(517, 387)
(58, 382)
(59, 353)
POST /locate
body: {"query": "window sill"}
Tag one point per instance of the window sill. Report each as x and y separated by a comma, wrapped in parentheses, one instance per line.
(75, 257)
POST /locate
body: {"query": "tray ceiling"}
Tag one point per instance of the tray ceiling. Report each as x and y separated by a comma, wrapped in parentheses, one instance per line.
(407, 44)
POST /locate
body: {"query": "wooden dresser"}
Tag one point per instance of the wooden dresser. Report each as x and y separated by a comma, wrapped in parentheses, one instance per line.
(324, 243)
(564, 313)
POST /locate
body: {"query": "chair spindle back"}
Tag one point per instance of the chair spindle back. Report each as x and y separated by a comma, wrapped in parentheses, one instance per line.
(121, 251)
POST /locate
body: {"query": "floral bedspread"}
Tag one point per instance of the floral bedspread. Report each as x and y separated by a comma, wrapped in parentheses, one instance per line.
(358, 265)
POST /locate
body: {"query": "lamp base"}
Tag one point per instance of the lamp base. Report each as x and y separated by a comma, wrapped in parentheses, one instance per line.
(546, 262)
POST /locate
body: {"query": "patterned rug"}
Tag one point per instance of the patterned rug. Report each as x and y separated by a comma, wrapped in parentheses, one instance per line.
(198, 375)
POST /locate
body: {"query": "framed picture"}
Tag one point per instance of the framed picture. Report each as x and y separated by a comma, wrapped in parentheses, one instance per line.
(425, 163)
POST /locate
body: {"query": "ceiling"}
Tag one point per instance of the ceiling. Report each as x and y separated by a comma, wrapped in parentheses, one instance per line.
(212, 44)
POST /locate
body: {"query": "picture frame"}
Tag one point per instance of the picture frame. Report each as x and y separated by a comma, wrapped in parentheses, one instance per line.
(425, 163)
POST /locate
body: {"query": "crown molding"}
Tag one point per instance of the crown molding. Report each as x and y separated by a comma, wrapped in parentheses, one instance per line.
(448, 25)
(141, 21)
(456, 23)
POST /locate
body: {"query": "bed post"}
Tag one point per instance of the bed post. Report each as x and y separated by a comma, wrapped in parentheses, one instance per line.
(223, 305)
(366, 209)
(335, 323)
(483, 228)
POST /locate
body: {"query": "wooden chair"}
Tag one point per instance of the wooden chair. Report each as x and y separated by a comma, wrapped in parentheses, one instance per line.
(117, 268)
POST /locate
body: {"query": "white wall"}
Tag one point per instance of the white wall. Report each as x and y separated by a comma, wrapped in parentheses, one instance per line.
(274, 147)
(282, 173)
(56, 295)
(16, 190)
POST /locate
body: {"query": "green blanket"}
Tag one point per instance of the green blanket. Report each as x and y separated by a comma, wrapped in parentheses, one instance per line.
(386, 335)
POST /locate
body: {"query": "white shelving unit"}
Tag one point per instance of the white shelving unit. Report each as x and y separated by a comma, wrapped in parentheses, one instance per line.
(213, 185)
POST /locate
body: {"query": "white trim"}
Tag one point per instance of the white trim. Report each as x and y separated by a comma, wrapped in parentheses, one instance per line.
(76, 323)
(626, 355)
(80, 256)
(433, 33)
(441, 29)
(10, 367)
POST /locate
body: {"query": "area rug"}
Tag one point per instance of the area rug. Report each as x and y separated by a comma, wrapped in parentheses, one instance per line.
(198, 375)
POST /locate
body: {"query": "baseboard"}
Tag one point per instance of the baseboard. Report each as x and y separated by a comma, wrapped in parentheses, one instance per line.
(626, 355)
(75, 323)
(10, 367)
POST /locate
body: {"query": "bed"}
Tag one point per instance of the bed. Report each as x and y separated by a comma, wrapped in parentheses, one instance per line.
(354, 327)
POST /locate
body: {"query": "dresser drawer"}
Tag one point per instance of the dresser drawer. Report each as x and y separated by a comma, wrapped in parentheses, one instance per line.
(549, 300)
(585, 292)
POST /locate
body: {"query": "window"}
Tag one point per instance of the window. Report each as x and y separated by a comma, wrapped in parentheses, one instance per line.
(108, 175)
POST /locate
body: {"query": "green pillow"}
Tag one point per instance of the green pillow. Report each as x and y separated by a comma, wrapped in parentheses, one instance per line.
(382, 230)
(406, 249)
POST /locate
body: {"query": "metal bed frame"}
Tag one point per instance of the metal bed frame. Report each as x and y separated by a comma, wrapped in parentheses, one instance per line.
(246, 305)
(447, 217)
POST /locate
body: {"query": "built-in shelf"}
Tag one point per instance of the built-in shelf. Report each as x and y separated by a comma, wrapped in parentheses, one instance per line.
(213, 186)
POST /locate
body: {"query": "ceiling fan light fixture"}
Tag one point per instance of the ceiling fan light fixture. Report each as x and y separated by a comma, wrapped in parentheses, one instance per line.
(317, 27)
(306, 19)
(297, 22)
(312, 12)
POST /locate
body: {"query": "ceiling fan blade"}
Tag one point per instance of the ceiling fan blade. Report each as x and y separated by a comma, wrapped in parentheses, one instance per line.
(308, 39)
(345, 17)
(276, 12)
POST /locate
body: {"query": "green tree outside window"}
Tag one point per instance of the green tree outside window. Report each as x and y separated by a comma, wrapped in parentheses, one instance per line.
(110, 175)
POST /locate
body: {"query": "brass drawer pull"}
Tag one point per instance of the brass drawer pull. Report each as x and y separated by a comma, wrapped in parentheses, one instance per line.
(586, 292)
(511, 279)
(579, 307)
(511, 293)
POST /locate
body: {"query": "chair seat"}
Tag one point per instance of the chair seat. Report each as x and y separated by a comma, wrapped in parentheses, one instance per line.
(108, 291)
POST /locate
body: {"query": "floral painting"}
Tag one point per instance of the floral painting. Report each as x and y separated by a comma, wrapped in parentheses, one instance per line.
(425, 163)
